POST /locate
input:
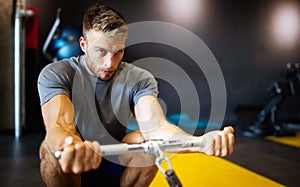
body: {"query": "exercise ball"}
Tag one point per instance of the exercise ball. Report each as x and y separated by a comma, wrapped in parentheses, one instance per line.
(69, 50)
(58, 43)
(67, 44)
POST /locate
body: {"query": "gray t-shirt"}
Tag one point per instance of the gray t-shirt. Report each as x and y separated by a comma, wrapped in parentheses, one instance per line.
(102, 108)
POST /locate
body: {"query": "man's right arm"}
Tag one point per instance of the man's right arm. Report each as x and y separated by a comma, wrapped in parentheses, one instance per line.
(77, 155)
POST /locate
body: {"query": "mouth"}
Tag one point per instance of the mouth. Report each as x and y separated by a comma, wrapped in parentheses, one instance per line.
(107, 72)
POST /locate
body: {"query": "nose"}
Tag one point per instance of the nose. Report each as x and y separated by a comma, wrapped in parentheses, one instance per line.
(109, 61)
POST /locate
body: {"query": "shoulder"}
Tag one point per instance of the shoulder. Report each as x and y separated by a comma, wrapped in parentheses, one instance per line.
(141, 81)
(59, 73)
(57, 78)
(63, 67)
(64, 64)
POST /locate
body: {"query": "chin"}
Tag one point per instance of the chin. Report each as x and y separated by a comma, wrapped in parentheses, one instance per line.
(104, 77)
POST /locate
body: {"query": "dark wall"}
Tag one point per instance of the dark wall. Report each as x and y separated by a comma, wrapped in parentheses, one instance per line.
(7, 68)
(237, 33)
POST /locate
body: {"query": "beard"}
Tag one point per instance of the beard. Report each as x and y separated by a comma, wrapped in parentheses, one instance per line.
(97, 70)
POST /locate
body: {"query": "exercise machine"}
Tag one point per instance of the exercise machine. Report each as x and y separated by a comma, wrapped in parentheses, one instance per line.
(280, 116)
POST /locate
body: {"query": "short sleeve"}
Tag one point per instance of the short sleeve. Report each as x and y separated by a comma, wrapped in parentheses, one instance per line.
(147, 85)
(55, 78)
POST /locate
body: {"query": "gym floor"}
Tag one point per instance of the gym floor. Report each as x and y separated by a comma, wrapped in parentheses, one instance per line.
(19, 161)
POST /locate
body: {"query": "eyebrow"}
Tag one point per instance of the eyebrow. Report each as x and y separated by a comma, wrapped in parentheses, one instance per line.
(115, 51)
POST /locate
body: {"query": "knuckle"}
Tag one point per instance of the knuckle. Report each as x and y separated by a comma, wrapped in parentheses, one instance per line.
(79, 147)
(88, 167)
(224, 152)
(77, 169)
(96, 162)
(69, 151)
(65, 168)
(94, 166)
(210, 152)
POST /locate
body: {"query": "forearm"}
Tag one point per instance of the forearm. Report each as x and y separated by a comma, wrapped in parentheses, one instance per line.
(58, 118)
(153, 125)
(56, 134)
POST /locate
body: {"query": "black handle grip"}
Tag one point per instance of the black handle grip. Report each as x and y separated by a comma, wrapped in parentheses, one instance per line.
(172, 178)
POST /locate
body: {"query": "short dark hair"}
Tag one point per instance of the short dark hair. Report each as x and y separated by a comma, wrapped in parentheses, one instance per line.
(103, 18)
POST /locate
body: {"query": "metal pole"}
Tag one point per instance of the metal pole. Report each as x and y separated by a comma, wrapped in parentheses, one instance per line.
(19, 71)
(51, 35)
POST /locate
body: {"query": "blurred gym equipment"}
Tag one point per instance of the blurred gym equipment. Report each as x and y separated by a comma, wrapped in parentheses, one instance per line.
(280, 116)
(61, 42)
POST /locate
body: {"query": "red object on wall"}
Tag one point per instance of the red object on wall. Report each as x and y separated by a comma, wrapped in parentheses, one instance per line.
(32, 30)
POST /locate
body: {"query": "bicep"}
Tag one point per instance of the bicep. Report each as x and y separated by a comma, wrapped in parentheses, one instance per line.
(58, 111)
(148, 113)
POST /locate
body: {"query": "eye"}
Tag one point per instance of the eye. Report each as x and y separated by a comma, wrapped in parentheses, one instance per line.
(102, 51)
(119, 51)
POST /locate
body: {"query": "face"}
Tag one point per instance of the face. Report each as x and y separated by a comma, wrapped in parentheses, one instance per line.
(103, 53)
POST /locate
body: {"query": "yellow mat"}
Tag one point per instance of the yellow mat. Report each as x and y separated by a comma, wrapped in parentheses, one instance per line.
(197, 170)
(287, 140)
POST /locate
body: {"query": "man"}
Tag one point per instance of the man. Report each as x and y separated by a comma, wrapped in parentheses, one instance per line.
(88, 100)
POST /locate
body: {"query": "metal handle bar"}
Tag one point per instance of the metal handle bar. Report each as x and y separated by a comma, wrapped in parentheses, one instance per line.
(148, 146)
(155, 147)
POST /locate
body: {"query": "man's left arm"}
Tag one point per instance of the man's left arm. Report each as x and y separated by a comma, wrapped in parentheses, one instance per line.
(153, 125)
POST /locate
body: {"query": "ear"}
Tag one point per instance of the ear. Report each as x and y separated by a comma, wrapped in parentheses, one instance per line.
(82, 43)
